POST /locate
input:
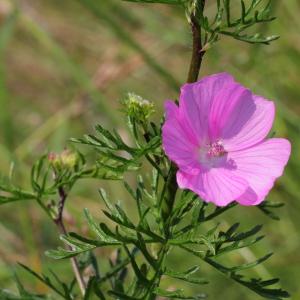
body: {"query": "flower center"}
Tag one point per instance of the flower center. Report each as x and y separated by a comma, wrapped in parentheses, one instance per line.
(215, 149)
(211, 154)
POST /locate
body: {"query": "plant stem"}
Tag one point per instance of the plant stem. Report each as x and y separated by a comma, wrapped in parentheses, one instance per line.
(170, 188)
(158, 274)
(197, 53)
(195, 65)
(61, 227)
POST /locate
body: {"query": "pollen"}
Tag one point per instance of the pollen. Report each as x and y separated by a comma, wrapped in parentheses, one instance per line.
(216, 149)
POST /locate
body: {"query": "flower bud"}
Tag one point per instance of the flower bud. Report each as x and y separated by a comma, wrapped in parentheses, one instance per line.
(67, 159)
(138, 108)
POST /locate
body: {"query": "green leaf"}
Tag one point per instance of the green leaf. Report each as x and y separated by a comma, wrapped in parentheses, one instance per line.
(92, 289)
(78, 247)
(67, 294)
(139, 274)
(244, 235)
(141, 245)
(62, 253)
(23, 293)
(224, 24)
(237, 245)
(258, 286)
(19, 197)
(251, 264)
(266, 207)
(254, 284)
(185, 204)
(97, 230)
(177, 294)
(100, 171)
(186, 276)
(218, 211)
(35, 174)
(119, 266)
(81, 244)
(107, 202)
(124, 217)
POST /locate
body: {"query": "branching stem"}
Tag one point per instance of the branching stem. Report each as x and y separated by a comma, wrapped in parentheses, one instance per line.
(62, 229)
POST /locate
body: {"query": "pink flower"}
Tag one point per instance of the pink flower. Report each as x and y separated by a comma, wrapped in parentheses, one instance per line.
(218, 139)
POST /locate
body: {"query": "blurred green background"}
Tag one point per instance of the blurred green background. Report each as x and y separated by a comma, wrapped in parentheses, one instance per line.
(64, 67)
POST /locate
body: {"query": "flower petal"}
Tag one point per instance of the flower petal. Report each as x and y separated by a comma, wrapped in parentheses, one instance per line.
(178, 143)
(196, 100)
(171, 109)
(248, 123)
(230, 103)
(261, 165)
(218, 185)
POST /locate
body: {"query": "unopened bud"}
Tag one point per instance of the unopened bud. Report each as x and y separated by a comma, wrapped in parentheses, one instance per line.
(137, 107)
(69, 158)
(66, 159)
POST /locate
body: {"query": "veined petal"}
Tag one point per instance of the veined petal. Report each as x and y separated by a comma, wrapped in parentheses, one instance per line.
(249, 123)
(218, 185)
(261, 165)
(231, 104)
(217, 139)
(171, 109)
(178, 143)
(196, 100)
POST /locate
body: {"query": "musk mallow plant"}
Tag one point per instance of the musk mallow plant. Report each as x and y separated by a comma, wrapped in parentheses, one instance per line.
(209, 153)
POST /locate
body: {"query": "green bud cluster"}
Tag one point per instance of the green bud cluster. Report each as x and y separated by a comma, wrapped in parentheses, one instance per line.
(137, 107)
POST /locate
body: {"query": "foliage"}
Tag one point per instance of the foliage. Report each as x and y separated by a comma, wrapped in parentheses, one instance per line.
(164, 223)
(142, 245)
(256, 12)
(207, 247)
(237, 27)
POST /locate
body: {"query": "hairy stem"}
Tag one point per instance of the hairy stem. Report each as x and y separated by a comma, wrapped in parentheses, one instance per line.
(62, 229)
